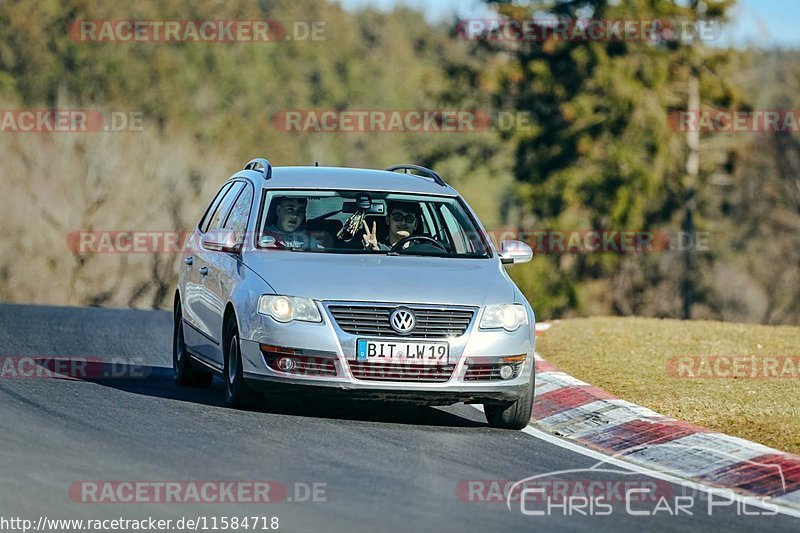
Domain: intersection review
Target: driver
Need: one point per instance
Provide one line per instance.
(289, 229)
(402, 218)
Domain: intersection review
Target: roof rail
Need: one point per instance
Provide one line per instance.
(426, 172)
(260, 165)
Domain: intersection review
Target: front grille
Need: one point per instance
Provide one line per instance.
(488, 372)
(432, 322)
(401, 372)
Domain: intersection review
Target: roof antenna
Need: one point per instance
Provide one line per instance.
(316, 163)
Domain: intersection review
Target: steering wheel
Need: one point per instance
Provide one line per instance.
(402, 242)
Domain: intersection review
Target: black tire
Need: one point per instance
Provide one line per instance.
(185, 373)
(237, 394)
(511, 415)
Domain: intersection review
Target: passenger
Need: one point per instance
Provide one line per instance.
(289, 228)
(402, 218)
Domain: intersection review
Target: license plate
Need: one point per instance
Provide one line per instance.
(426, 353)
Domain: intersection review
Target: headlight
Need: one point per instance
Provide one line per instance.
(508, 317)
(288, 308)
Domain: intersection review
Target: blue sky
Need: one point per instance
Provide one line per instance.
(767, 23)
(756, 22)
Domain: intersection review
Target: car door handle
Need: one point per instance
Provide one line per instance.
(189, 261)
(203, 271)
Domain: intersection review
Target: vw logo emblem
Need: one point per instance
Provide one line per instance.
(402, 320)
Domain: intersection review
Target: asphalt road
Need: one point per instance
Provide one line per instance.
(383, 469)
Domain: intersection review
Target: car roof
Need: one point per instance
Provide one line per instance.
(345, 178)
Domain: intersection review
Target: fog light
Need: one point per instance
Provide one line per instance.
(287, 364)
(506, 371)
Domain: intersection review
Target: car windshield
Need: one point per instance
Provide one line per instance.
(367, 222)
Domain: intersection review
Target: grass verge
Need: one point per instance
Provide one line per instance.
(647, 361)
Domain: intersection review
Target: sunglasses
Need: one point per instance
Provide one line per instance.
(399, 217)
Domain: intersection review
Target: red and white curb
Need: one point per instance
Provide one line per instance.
(574, 410)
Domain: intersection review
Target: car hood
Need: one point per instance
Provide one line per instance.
(382, 278)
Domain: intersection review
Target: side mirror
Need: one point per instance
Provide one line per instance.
(515, 252)
(222, 240)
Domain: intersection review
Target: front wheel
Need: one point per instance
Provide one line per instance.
(237, 394)
(511, 415)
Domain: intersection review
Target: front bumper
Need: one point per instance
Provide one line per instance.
(327, 340)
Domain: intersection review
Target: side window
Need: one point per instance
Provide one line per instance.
(225, 206)
(212, 208)
(427, 225)
(240, 213)
(458, 239)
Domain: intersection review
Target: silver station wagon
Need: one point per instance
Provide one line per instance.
(361, 283)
